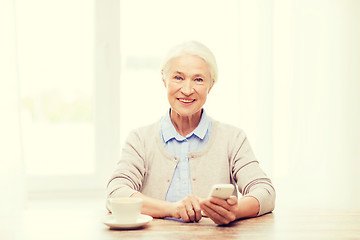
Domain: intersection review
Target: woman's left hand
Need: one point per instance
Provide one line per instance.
(219, 210)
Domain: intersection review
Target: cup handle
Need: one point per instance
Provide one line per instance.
(108, 204)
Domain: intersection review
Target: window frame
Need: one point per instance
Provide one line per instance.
(106, 108)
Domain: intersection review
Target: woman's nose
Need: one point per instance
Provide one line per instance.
(187, 87)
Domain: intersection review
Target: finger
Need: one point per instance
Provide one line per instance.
(217, 213)
(198, 214)
(184, 215)
(219, 206)
(232, 200)
(207, 209)
(204, 208)
(193, 208)
(220, 202)
(228, 204)
(210, 209)
(181, 212)
(196, 208)
(190, 211)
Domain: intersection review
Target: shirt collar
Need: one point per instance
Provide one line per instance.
(169, 132)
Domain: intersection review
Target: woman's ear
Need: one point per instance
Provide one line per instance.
(212, 84)
(163, 78)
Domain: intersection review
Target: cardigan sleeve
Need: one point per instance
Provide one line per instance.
(130, 170)
(250, 178)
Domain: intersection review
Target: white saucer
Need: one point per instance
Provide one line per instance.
(141, 221)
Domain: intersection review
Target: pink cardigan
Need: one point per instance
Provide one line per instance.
(146, 166)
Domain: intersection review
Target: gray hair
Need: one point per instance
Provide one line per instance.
(192, 48)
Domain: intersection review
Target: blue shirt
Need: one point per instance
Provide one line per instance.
(180, 147)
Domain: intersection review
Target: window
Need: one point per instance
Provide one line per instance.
(56, 62)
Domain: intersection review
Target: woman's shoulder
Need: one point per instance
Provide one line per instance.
(227, 127)
(226, 130)
(146, 131)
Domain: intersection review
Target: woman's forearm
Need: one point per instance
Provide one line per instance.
(155, 207)
(247, 207)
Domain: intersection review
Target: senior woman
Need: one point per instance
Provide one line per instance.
(173, 163)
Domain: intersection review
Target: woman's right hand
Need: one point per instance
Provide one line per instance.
(188, 209)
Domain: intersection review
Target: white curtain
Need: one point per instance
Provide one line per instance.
(11, 169)
(299, 97)
(316, 104)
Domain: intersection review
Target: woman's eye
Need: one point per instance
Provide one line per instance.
(199, 80)
(178, 78)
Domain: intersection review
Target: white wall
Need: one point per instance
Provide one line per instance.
(11, 170)
(107, 90)
(255, 87)
(316, 132)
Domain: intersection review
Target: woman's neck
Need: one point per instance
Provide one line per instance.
(185, 124)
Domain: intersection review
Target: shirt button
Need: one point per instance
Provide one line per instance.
(168, 180)
(194, 179)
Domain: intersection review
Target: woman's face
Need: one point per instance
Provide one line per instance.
(188, 82)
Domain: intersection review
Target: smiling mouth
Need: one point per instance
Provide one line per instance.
(186, 100)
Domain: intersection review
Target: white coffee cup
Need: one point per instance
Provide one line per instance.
(125, 210)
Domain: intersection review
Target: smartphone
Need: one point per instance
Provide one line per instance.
(223, 191)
